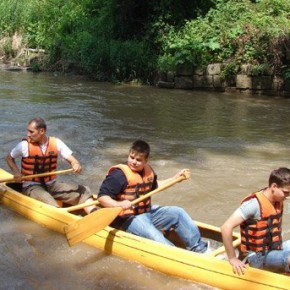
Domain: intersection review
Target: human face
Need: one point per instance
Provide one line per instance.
(281, 193)
(136, 161)
(35, 135)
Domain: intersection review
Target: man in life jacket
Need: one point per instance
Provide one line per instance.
(128, 181)
(39, 154)
(260, 219)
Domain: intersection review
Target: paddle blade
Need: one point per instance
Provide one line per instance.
(90, 224)
(98, 220)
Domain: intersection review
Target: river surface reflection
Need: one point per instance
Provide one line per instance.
(231, 142)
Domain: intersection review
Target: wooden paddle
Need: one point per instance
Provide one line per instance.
(98, 220)
(12, 179)
(80, 206)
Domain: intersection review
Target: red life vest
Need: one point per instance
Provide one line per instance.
(37, 162)
(264, 234)
(137, 186)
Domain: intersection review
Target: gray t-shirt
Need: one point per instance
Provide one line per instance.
(250, 209)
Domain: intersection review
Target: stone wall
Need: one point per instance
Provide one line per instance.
(189, 78)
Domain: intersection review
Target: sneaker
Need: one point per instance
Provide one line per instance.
(209, 249)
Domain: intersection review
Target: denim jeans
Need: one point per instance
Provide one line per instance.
(149, 225)
(275, 260)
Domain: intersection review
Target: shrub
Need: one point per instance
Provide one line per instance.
(235, 32)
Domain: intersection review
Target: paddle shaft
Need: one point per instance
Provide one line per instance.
(135, 201)
(149, 194)
(160, 188)
(80, 206)
(98, 220)
(37, 175)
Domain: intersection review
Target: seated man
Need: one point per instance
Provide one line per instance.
(260, 218)
(126, 182)
(39, 154)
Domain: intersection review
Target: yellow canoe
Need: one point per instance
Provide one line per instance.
(174, 261)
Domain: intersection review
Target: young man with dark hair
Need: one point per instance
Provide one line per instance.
(126, 182)
(260, 219)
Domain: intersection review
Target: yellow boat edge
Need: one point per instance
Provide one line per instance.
(169, 260)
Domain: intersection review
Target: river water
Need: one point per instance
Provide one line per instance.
(230, 142)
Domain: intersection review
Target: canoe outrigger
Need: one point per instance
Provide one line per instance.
(175, 261)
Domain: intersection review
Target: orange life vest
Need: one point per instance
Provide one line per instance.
(37, 162)
(137, 186)
(264, 234)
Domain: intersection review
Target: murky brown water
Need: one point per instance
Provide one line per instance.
(230, 142)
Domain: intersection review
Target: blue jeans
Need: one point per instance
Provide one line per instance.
(149, 225)
(275, 260)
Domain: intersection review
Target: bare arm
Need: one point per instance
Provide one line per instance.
(184, 172)
(107, 201)
(76, 166)
(14, 168)
(227, 229)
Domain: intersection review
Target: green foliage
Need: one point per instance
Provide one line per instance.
(286, 72)
(121, 40)
(35, 67)
(260, 69)
(235, 31)
(110, 39)
(12, 15)
(6, 47)
(118, 60)
(229, 69)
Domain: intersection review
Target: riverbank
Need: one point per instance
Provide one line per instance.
(184, 78)
(211, 79)
(8, 67)
(196, 79)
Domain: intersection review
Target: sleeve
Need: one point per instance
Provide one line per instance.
(20, 150)
(250, 209)
(63, 149)
(113, 184)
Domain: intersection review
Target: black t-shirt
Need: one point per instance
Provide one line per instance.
(114, 184)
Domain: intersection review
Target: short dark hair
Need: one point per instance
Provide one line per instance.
(141, 146)
(280, 176)
(39, 123)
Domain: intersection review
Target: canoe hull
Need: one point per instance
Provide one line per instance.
(166, 259)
